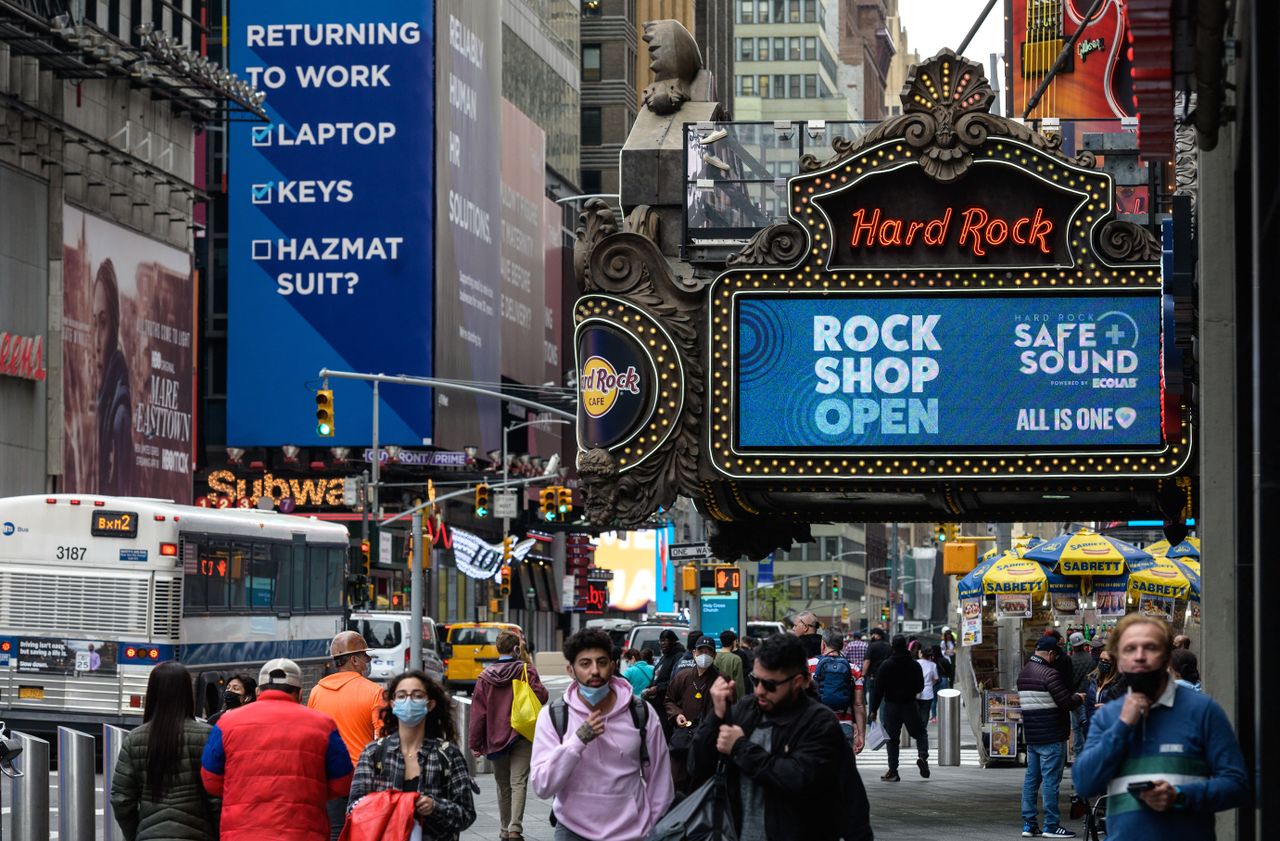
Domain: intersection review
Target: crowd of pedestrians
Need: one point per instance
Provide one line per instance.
(778, 726)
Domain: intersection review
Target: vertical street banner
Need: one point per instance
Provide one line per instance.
(331, 214)
(523, 268)
(469, 237)
(128, 383)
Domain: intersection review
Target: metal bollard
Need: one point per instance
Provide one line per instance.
(30, 792)
(75, 785)
(112, 737)
(949, 727)
(474, 765)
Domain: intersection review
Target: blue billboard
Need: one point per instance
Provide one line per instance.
(1022, 373)
(330, 250)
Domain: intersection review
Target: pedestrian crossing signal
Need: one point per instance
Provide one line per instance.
(324, 413)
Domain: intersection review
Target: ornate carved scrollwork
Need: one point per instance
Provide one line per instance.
(945, 117)
(780, 244)
(1127, 242)
(630, 266)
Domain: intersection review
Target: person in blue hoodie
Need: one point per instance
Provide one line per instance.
(1165, 755)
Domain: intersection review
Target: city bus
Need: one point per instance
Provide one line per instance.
(96, 590)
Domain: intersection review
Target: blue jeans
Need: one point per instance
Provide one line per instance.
(1044, 765)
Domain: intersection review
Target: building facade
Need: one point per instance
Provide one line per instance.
(786, 63)
(610, 42)
(866, 50)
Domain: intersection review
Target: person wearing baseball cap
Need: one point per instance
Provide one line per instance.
(354, 702)
(1046, 702)
(1082, 664)
(275, 763)
(688, 699)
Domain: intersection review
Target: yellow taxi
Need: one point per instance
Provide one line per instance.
(469, 647)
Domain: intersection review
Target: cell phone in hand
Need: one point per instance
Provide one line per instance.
(1144, 785)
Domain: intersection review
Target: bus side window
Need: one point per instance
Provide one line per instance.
(317, 574)
(284, 573)
(216, 571)
(334, 561)
(194, 596)
(237, 573)
(299, 595)
(262, 577)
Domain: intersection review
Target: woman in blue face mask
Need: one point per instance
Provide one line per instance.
(418, 754)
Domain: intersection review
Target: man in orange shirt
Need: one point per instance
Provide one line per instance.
(353, 701)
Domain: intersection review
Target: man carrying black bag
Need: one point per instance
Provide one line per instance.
(783, 751)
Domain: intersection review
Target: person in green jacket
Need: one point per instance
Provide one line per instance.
(156, 792)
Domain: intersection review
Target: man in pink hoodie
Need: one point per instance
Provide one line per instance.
(609, 780)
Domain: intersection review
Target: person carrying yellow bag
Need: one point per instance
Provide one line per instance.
(500, 716)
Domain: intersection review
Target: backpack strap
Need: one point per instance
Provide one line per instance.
(559, 716)
(640, 718)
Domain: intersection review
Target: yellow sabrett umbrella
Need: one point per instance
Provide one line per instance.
(1012, 574)
(1087, 553)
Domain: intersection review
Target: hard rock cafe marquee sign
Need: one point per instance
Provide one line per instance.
(951, 320)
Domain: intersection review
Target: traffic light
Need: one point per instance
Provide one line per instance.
(835, 587)
(324, 413)
(508, 548)
(884, 614)
(547, 504)
(482, 501)
(564, 502)
(364, 557)
(504, 584)
(940, 532)
(689, 578)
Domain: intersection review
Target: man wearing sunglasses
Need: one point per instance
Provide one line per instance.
(807, 627)
(783, 751)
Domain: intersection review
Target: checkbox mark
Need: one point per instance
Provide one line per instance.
(261, 249)
(262, 192)
(262, 135)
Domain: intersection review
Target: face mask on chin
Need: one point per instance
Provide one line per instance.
(592, 695)
(1146, 683)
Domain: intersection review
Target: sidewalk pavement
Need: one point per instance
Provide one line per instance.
(967, 803)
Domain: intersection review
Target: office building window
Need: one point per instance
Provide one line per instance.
(795, 11)
(810, 11)
(591, 8)
(793, 90)
(779, 86)
(810, 49)
(590, 62)
(747, 11)
(746, 85)
(762, 11)
(592, 183)
(811, 86)
(779, 49)
(746, 49)
(591, 127)
(762, 49)
(764, 87)
(779, 11)
(794, 52)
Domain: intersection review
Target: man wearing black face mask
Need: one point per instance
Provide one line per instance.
(1165, 755)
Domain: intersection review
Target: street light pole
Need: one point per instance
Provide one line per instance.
(506, 521)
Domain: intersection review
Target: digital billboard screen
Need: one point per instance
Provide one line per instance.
(330, 255)
(958, 373)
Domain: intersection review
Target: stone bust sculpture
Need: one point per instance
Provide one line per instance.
(677, 68)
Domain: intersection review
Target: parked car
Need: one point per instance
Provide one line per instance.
(388, 636)
(469, 647)
(619, 630)
(760, 630)
(645, 635)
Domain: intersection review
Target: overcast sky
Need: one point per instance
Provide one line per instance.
(934, 24)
